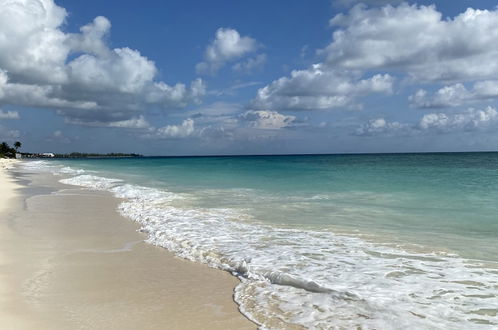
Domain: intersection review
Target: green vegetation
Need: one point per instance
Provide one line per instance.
(7, 151)
(96, 155)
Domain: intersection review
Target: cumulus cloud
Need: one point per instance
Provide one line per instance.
(448, 96)
(380, 126)
(455, 95)
(9, 114)
(178, 95)
(372, 44)
(416, 40)
(32, 47)
(319, 87)
(251, 64)
(184, 130)
(264, 119)
(441, 123)
(228, 45)
(77, 73)
(469, 120)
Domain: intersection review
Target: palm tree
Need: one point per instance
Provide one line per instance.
(17, 145)
(4, 147)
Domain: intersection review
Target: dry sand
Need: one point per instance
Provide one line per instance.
(68, 260)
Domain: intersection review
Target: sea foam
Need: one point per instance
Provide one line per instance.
(316, 279)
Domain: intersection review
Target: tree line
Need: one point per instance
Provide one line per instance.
(6, 151)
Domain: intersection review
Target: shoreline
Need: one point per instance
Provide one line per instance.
(9, 201)
(70, 260)
(8, 186)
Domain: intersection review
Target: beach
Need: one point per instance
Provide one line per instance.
(68, 260)
(290, 242)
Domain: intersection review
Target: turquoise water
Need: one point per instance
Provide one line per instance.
(418, 197)
(409, 240)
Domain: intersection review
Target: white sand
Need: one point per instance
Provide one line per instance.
(7, 186)
(9, 200)
(68, 260)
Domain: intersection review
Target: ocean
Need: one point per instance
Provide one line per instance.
(376, 241)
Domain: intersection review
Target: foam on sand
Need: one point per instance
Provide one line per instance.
(74, 263)
(316, 279)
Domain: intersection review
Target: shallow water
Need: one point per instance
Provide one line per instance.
(375, 241)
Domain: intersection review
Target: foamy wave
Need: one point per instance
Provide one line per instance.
(70, 170)
(92, 181)
(48, 166)
(314, 279)
(35, 165)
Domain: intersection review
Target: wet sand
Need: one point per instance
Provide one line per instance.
(68, 260)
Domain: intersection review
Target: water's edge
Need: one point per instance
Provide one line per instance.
(316, 279)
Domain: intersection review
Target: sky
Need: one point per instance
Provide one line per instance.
(249, 77)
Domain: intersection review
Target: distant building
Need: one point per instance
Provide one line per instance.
(48, 154)
(18, 155)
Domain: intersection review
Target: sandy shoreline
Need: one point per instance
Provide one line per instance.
(68, 260)
(7, 186)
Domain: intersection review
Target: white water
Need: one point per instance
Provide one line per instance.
(316, 279)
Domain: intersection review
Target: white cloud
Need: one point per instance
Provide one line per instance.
(380, 126)
(184, 130)
(409, 41)
(417, 40)
(178, 95)
(32, 47)
(455, 95)
(138, 122)
(264, 119)
(448, 96)
(91, 39)
(227, 46)
(77, 73)
(251, 64)
(486, 89)
(440, 123)
(319, 87)
(37, 96)
(9, 114)
(469, 120)
(122, 70)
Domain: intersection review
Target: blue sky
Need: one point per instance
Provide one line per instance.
(254, 77)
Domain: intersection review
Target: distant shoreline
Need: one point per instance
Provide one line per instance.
(289, 155)
(79, 155)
